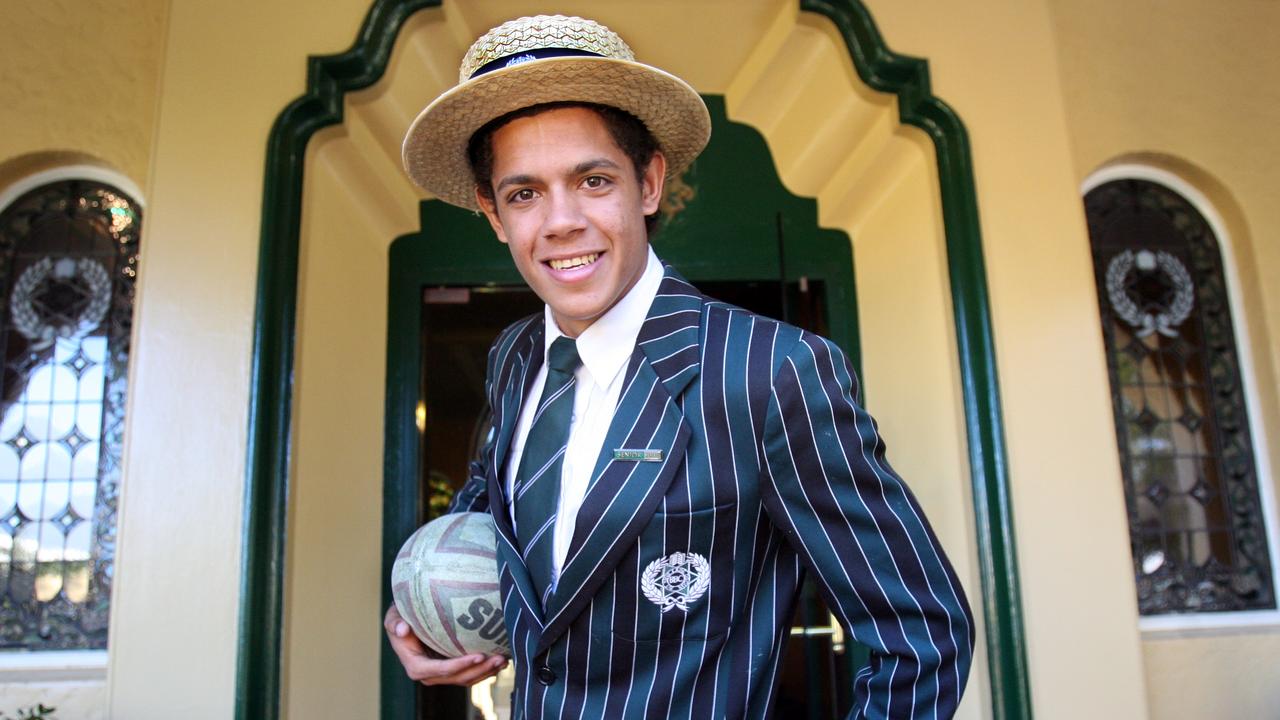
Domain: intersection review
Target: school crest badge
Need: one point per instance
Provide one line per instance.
(676, 581)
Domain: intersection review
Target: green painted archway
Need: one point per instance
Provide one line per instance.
(330, 78)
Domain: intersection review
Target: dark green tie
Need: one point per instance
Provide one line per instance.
(537, 486)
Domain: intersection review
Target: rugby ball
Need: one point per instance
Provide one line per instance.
(445, 585)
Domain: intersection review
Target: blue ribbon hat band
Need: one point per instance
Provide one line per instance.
(507, 61)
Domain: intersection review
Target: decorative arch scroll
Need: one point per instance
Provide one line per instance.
(330, 78)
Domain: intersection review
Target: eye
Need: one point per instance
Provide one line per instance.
(595, 182)
(521, 195)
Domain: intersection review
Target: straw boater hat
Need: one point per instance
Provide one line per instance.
(548, 58)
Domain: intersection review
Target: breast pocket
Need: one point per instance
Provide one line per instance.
(677, 580)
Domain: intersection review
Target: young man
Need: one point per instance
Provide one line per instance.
(665, 468)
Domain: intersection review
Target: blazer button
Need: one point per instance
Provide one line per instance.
(546, 675)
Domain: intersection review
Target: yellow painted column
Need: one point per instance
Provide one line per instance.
(229, 68)
(994, 63)
(1208, 118)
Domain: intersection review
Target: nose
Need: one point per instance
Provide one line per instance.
(564, 218)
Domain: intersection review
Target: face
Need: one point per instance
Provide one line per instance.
(569, 207)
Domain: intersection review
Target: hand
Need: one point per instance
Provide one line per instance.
(428, 668)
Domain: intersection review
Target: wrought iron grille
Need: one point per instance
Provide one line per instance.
(1195, 517)
(68, 260)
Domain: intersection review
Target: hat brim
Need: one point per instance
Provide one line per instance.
(435, 148)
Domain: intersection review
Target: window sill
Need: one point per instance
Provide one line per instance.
(53, 666)
(1209, 624)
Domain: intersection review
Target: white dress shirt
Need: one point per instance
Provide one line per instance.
(604, 347)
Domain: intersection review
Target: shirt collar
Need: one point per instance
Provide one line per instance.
(605, 346)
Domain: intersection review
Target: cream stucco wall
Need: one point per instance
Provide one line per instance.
(1208, 116)
(333, 625)
(79, 85)
(994, 63)
(78, 699)
(79, 81)
(229, 68)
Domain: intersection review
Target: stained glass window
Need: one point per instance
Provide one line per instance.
(1195, 517)
(68, 259)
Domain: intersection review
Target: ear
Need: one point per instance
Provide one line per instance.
(491, 214)
(651, 183)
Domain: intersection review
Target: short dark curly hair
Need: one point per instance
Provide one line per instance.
(628, 133)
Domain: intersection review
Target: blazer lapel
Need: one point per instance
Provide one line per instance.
(624, 493)
(515, 373)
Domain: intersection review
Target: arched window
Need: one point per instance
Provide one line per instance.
(68, 260)
(1196, 519)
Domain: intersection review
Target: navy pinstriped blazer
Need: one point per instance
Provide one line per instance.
(769, 468)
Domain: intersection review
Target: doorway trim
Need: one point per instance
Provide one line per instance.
(330, 77)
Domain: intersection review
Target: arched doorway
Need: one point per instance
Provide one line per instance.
(840, 114)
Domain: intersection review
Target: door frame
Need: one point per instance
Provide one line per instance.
(330, 77)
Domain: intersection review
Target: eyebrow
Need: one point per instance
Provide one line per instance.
(581, 168)
(514, 180)
(589, 165)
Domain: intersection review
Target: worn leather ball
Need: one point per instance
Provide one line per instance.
(445, 584)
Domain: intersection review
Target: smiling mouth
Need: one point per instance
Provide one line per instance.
(574, 262)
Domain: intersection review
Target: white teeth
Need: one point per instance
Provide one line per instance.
(573, 262)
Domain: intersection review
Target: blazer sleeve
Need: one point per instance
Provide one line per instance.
(473, 496)
(862, 534)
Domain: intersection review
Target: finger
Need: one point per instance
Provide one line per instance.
(392, 620)
(472, 675)
(469, 674)
(439, 671)
(402, 639)
(441, 668)
(407, 642)
(494, 665)
(417, 664)
(413, 655)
